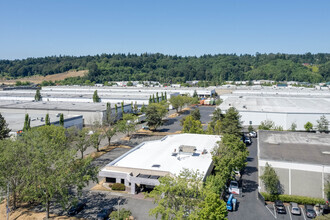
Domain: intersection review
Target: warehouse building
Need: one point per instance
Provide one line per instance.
(142, 166)
(283, 110)
(90, 112)
(300, 159)
(15, 121)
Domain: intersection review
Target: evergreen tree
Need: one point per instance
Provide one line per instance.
(143, 109)
(96, 97)
(132, 107)
(62, 120)
(157, 97)
(323, 124)
(270, 180)
(4, 130)
(47, 120)
(37, 96)
(26, 123)
(122, 109)
(108, 115)
(150, 100)
(116, 111)
(153, 98)
(165, 96)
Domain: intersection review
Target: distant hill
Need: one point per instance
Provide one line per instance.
(37, 79)
(175, 69)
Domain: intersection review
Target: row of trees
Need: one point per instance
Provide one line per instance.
(41, 166)
(176, 69)
(322, 125)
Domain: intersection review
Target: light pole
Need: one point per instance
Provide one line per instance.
(118, 208)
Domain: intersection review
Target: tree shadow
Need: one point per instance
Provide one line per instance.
(250, 170)
(169, 121)
(249, 186)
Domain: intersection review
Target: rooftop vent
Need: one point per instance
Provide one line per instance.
(156, 165)
(187, 149)
(326, 152)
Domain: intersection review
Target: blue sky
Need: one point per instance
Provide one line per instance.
(38, 28)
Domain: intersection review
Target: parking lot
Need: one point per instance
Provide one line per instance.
(288, 215)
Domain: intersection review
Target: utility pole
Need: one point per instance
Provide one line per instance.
(7, 208)
(118, 208)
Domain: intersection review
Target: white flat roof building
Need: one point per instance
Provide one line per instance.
(148, 161)
(282, 107)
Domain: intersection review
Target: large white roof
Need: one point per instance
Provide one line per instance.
(149, 154)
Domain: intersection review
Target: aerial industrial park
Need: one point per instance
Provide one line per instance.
(171, 110)
(299, 156)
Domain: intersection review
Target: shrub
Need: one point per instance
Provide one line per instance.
(118, 186)
(293, 198)
(123, 214)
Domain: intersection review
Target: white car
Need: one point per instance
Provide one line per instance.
(233, 187)
(253, 134)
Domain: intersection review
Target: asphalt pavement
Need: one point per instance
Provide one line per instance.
(249, 207)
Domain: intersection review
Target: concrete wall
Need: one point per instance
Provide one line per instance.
(281, 119)
(299, 182)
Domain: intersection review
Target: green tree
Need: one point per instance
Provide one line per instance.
(122, 215)
(153, 98)
(157, 97)
(4, 130)
(323, 124)
(143, 108)
(270, 180)
(116, 112)
(110, 131)
(122, 109)
(196, 114)
(82, 141)
(250, 128)
(195, 94)
(217, 115)
(177, 196)
(212, 207)
(229, 155)
(96, 139)
(266, 125)
(308, 126)
(55, 165)
(162, 97)
(154, 115)
(96, 97)
(231, 123)
(128, 124)
(150, 100)
(12, 170)
(37, 96)
(27, 123)
(129, 83)
(293, 126)
(109, 120)
(327, 189)
(62, 120)
(47, 120)
(135, 108)
(192, 126)
(177, 102)
(165, 96)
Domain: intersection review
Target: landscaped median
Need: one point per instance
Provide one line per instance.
(293, 198)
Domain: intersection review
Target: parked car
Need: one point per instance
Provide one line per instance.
(75, 209)
(279, 207)
(233, 187)
(253, 134)
(294, 208)
(310, 213)
(247, 140)
(104, 213)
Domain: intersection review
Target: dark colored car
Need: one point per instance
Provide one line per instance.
(104, 214)
(279, 207)
(310, 213)
(75, 209)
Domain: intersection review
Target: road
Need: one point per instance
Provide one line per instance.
(249, 207)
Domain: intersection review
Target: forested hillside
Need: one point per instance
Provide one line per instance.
(165, 68)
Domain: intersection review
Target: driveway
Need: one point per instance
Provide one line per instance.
(249, 207)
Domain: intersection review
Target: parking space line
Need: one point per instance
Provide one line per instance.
(303, 213)
(289, 212)
(271, 212)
